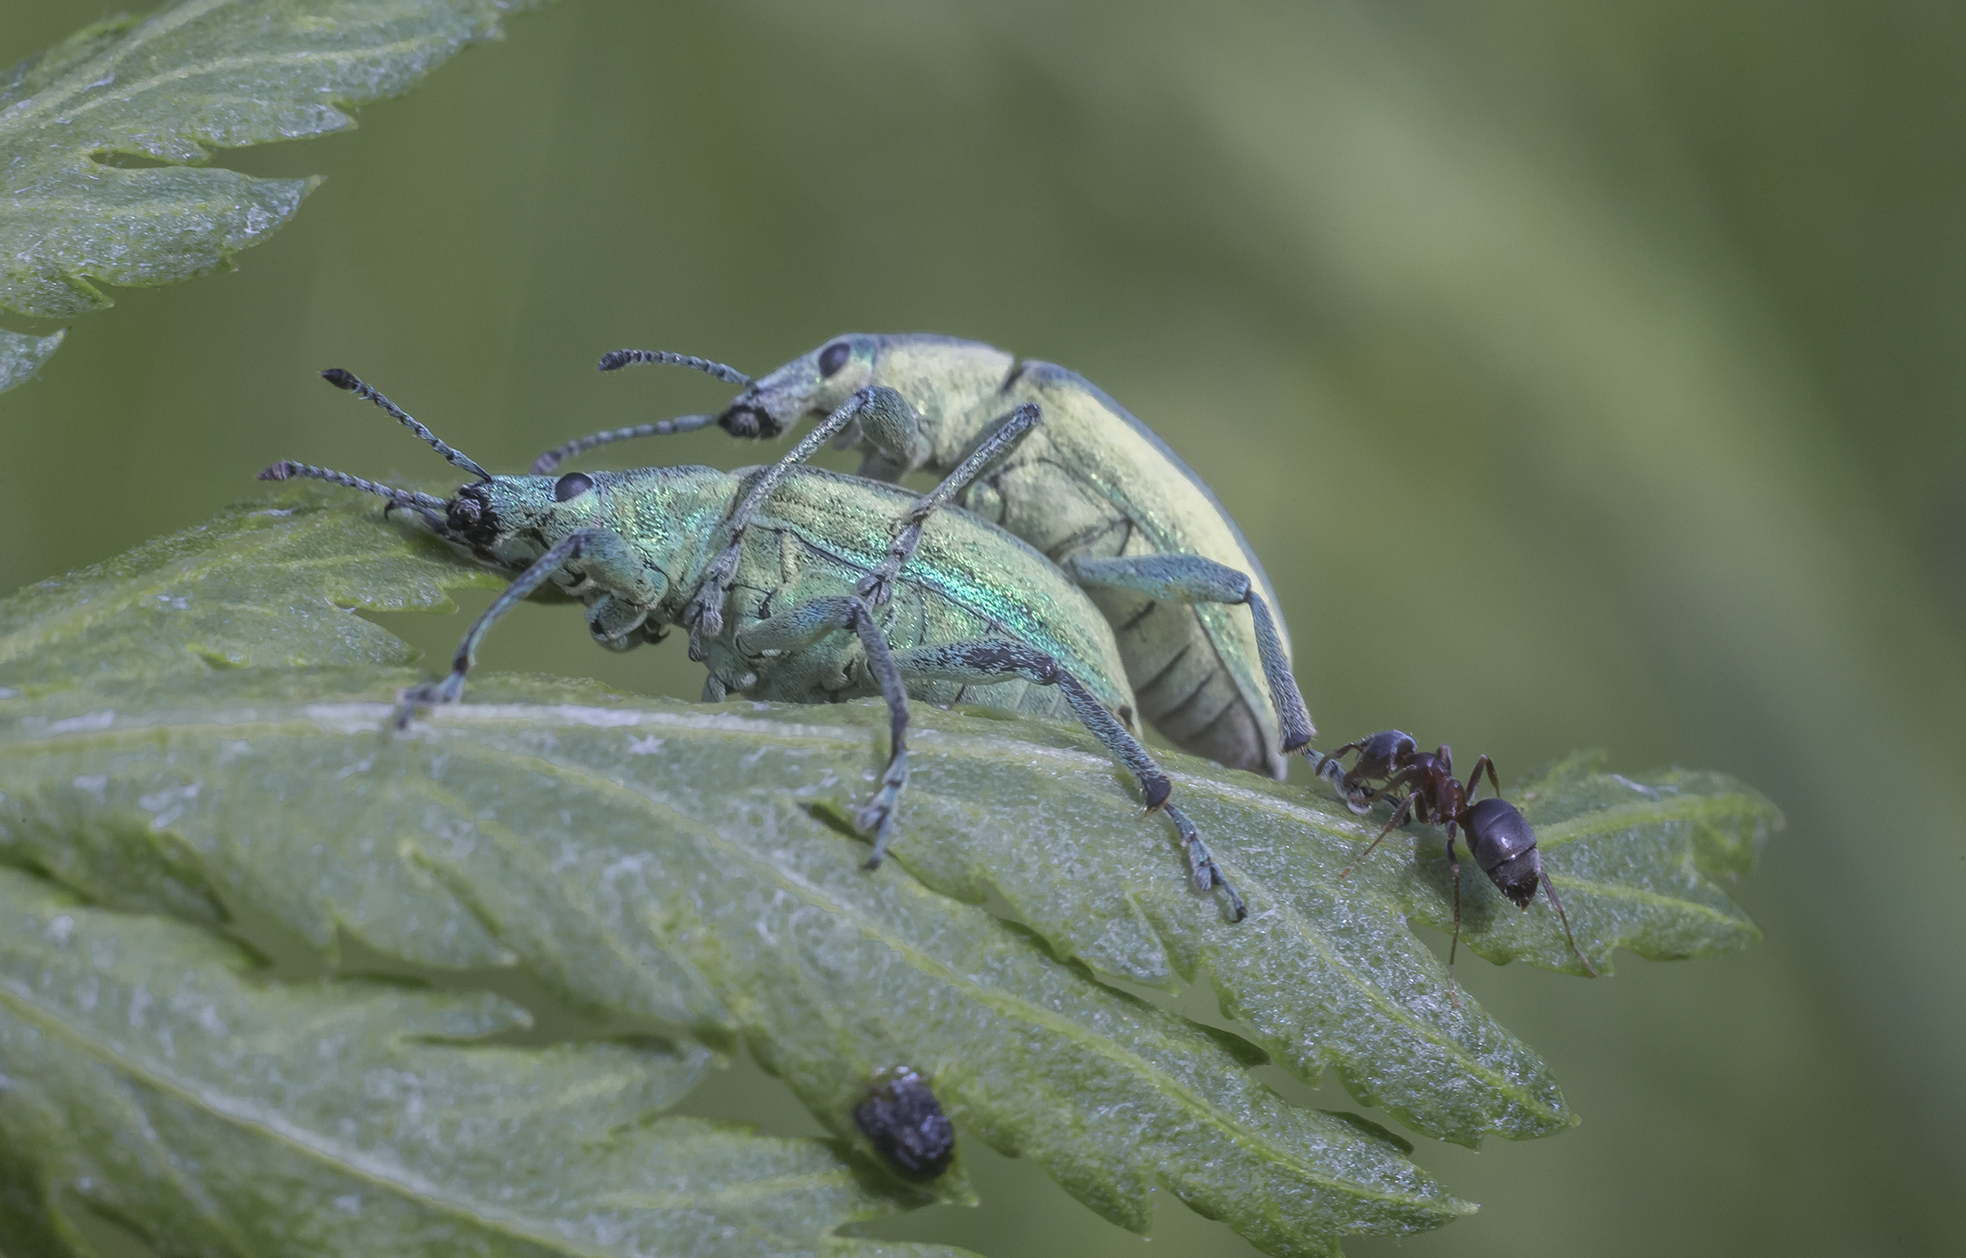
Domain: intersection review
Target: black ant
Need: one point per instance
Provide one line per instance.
(1499, 836)
(1379, 757)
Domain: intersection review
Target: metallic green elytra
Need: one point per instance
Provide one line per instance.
(1093, 489)
(815, 599)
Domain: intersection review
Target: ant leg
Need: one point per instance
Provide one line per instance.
(1474, 779)
(1327, 765)
(1550, 890)
(1454, 864)
(813, 620)
(878, 586)
(1399, 814)
(1193, 579)
(983, 661)
(1355, 795)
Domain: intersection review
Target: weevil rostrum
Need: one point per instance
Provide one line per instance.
(819, 605)
(1094, 490)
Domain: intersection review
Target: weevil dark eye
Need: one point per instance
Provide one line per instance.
(572, 485)
(834, 357)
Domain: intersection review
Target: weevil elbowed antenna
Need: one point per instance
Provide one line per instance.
(614, 361)
(343, 379)
(617, 359)
(429, 506)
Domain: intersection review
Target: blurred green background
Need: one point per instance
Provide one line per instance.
(1586, 375)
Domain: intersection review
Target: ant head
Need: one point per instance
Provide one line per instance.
(1391, 748)
(817, 383)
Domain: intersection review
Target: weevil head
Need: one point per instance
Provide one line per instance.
(508, 521)
(817, 383)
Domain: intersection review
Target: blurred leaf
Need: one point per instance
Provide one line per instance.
(22, 356)
(145, 1070)
(97, 132)
(685, 864)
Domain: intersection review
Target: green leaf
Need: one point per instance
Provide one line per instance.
(22, 356)
(685, 864)
(567, 839)
(264, 584)
(167, 90)
(144, 1069)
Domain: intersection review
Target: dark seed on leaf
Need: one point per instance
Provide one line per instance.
(907, 1126)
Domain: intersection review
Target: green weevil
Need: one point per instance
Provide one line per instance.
(1094, 490)
(825, 599)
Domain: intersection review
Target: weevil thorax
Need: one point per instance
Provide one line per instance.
(1505, 848)
(956, 386)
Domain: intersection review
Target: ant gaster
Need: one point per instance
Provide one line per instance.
(1499, 836)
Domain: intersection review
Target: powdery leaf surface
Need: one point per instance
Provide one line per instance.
(144, 1069)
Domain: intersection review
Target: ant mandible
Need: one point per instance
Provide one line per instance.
(1499, 836)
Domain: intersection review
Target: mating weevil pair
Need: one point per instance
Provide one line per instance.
(1499, 836)
(797, 587)
(1094, 490)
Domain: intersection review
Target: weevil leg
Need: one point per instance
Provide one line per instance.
(704, 617)
(813, 620)
(451, 688)
(1203, 872)
(1195, 579)
(983, 661)
(1550, 890)
(1003, 433)
(1474, 779)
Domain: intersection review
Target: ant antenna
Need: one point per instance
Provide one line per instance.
(1565, 919)
(623, 357)
(1399, 815)
(348, 380)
